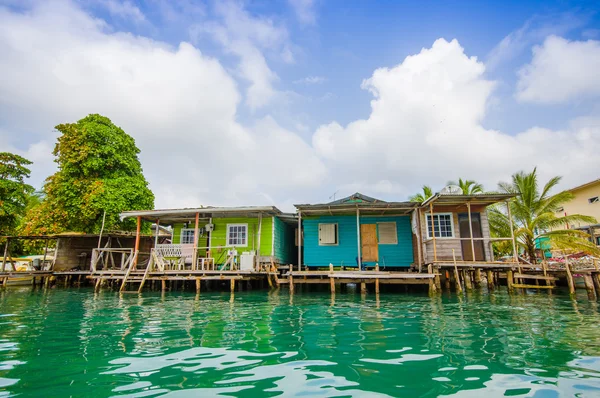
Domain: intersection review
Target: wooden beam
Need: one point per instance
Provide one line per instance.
(357, 238)
(512, 236)
(5, 254)
(433, 232)
(471, 230)
(419, 238)
(195, 253)
(137, 241)
(299, 244)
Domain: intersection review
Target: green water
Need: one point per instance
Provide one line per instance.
(77, 343)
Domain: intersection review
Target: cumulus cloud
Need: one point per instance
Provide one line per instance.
(560, 71)
(59, 64)
(426, 126)
(305, 11)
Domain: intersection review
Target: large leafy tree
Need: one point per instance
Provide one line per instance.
(469, 187)
(422, 196)
(14, 192)
(534, 216)
(98, 170)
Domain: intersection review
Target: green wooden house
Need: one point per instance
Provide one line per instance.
(262, 231)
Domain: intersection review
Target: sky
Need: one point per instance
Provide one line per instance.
(303, 101)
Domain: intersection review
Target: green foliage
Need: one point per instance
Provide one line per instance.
(469, 187)
(14, 193)
(534, 215)
(422, 196)
(99, 171)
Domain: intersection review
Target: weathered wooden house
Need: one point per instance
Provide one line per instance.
(357, 231)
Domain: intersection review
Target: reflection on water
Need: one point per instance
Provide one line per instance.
(79, 343)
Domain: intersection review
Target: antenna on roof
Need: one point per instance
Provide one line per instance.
(332, 197)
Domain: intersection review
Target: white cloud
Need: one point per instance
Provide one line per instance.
(305, 11)
(311, 80)
(533, 31)
(560, 71)
(425, 126)
(124, 9)
(59, 64)
(248, 37)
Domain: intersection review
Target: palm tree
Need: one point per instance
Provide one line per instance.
(469, 187)
(534, 216)
(422, 196)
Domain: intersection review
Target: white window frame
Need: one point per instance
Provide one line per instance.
(395, 234)
(229, 226)
(429, 224)
(337, 234)
(181, 242)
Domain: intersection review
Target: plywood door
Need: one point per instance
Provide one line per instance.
(368, 238)
(467, 250)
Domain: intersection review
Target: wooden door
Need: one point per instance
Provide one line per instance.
(467, 250)
(368, 239)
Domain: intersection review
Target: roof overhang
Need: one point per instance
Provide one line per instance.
(171, 216)
(485, 199)
(365, 208)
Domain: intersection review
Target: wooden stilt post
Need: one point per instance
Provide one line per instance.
(509, 280)
(331, 279)
(198, 285)
(137, 241)
(376, 285)
(363, 287)
(45, 254)
(232, 285)
(163, 285)
(570, 280)
(490, 279)
(456, 274)
(432, 285)
(433, 232)
(467, 278)
(447, 281)
(5, 254)
(291, 283)
(589, 285)
(478, 277)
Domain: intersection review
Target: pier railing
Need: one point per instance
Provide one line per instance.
(109, 258)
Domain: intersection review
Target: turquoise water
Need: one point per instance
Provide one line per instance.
(69, 342)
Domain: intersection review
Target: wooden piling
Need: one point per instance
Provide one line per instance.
(589, 285)
(291, 280)
(478, 277)
(332, 285)
(456, 274)
(509, 280)
(363, 288)
(570, 280)
(377, 286)
(467, 279)
(232, 285)
(163, 285)
(198, 283)
(490, 279)
(596, 279)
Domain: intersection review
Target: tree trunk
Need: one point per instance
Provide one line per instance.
(531, 251)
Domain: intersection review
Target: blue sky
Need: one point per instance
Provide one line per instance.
(276, 102)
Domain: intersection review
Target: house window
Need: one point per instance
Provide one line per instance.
(560, 209)
(237, 234)
(387, 233)
(593, 200)
(328, 234)
(442, 223)
(187, 236)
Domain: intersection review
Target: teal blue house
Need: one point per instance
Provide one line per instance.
(357, 231)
